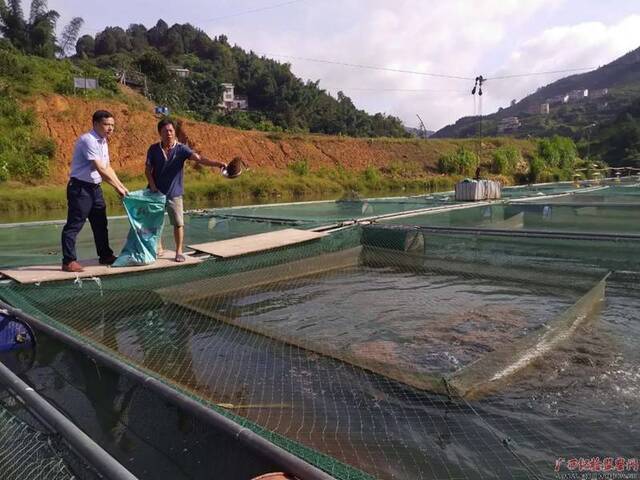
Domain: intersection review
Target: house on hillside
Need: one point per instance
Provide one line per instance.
(180, 72)
(580, 94)
(555, 100)
(509, 124)
(230, 101)
(599, 93)
(538, 109)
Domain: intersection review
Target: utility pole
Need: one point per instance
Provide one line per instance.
(423, 129)
(477, 89)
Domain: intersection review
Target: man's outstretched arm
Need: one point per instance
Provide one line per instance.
(205, 161)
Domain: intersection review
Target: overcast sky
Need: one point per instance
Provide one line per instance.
(455, 37)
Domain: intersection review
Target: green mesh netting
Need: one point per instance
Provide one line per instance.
(613, 210)
(345, 350)
(34, 244)
(297, 344)
(339, 211)
(27, 452)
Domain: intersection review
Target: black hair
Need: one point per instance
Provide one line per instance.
(100, 115)
(164, 122)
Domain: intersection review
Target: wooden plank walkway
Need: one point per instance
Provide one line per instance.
(261, 242)
(52, 273)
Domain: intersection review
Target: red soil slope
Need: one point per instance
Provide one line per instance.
(65, 118)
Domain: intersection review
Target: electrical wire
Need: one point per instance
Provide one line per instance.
(368, 67)
(531, 74)
(230, 15)
(409, 90)
(254, 10)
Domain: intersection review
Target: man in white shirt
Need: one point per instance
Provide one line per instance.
(90, 165)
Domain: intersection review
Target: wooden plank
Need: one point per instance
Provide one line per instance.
(53, 273)
(257, 243)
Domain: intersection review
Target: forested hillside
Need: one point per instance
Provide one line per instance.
(278, 100)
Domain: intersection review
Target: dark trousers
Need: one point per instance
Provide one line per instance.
(84, 201)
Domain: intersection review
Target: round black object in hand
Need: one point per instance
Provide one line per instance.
(234, 168)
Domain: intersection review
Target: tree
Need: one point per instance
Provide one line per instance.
(112, 40)
(174, 44)
(85, 46)
(189, 35)
(137, 34)
(202, 44)
(13, 25)
(152, 64)
(69, 35)
(156, 36)
(204, 94)
(106, 43)
(35, 36)
(41, 28)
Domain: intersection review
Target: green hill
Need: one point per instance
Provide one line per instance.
(617, 142)
(586, 120)
(277, 99)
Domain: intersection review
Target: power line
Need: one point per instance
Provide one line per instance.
(427, 74)
(531, 74)
(368, 67)
(408, 90)
(254, 10)
(231, 15)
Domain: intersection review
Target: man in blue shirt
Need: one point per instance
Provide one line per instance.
(89, 166)
(165, 173)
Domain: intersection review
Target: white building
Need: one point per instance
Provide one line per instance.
(538, 109)
(599, 93)
(508, 124)
(181, 72)
(230, 101)
(578, 94)
(558, 99)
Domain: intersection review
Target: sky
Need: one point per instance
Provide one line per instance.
(422, 38)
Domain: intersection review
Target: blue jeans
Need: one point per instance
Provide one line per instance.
(84, 201)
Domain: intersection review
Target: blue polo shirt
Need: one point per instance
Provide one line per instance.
(168, 170)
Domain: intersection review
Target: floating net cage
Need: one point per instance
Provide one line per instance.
(434, 345)
(30, 449)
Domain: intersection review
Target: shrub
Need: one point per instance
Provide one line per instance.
(505, 160)
(25, 153)
(558, 152)
(537, 170)
(44, 146)
(4, 170)
(463, 162)
(299, 167)
(447, 163)
(372, 177)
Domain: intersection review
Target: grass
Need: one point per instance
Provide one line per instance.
(206, 188)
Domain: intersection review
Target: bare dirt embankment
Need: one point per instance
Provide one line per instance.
(65, 118)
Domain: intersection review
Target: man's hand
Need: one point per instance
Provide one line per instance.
(122, 191)
(153, 188)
